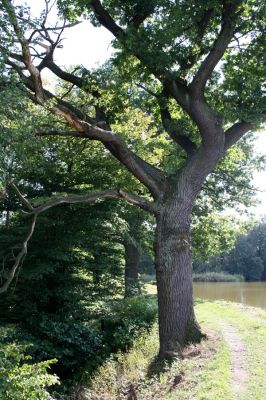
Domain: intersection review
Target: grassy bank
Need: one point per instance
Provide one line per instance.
(208, 371)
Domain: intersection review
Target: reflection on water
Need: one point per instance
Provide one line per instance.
(250, 293)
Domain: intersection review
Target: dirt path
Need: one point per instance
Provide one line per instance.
(238, 358)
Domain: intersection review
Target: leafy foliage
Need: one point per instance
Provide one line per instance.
(71, 342)
(20, 379)
(125, 319)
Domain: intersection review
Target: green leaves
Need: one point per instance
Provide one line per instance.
(213, 234)
(70, 341)
(20, 379)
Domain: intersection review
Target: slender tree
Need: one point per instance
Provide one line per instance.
(202, 66)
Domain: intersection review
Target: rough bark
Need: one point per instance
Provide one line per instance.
(132, 258)
(173, 263)
(173, 253)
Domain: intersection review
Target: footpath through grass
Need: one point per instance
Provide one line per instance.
(208, 371)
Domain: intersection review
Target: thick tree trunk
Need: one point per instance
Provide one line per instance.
(173, 262)
(132, 258)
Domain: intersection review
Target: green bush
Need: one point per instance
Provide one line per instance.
(81, 346)
(70, 342)
(21, 380)
(123, 320)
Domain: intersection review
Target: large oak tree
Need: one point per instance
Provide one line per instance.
(201, 63)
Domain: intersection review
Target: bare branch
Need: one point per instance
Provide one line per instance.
(113, 193)
(51, 29)
(59, 72)
(22, 198)
(238, 130)
(138, 201)
(26, 55)
(75, 199)
(149, 175)
(20, 256)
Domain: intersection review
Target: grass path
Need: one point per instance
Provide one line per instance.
(244, 332)
(230, 365)
(239, 373)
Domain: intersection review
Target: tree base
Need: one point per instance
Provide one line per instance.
(193, 335)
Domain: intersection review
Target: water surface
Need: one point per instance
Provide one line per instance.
(250, 293)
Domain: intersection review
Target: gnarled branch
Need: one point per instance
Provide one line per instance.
(113, 193)
(149, 175)
(85, 126)
(75, 199)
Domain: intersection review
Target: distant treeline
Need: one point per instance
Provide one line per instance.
(248, 257)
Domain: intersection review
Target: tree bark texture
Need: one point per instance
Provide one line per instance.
(132, 258)
(173, 263)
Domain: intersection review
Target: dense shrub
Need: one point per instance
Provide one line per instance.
(123, 320)
(70, 342)
(80, 346)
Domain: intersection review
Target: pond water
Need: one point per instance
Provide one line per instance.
(250, 293)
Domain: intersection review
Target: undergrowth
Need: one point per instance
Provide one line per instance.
(202, 373)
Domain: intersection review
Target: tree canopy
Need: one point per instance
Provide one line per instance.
(189, 68)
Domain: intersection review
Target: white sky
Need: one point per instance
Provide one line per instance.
(87, 45)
